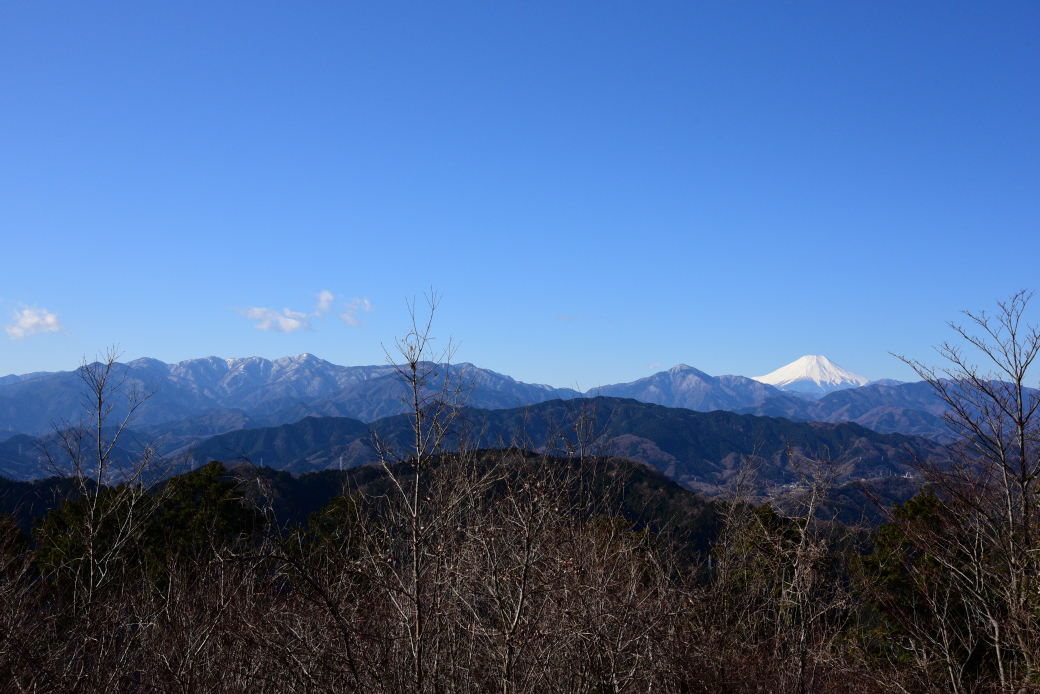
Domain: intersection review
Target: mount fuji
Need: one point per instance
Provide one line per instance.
(814, 375)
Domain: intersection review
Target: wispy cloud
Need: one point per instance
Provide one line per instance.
(289, 321)
(32, 321)
(285, 322)
(655, 365)
(353, 308)
(568, 319)
(325, 299)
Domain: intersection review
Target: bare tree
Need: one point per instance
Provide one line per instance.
(429, 481)
(108, 474)
(21, 628)
(812, 604)
(986, 539)
(776, 597)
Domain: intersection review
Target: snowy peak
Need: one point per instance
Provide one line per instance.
(813, 374)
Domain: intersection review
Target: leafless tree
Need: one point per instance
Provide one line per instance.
(776, 599)
(108, 472)
(429, 482)
(985, 538)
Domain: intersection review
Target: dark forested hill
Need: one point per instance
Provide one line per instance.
(700, 450)
(647, 497)
(28, 500)
(313, 443)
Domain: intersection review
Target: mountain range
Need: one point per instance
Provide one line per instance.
(906, 408)
(216, 395)
(699, 450)
(205, 397)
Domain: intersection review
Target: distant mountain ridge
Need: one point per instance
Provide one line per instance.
(260, 391)
(685, 386)
(198, 398)
(907, 408)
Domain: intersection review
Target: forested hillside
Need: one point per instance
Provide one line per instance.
(700, 450)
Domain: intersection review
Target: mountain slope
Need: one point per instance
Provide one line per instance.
(310, 444)
(852, 403)
(884, 406)
(698, 450)
(20, 459)
(910, 408)
(648, 499)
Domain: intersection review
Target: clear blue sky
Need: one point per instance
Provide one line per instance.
(599, 190)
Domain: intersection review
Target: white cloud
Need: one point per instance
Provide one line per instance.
(352, 308)
(289, 321)
(325, 298)
(285, 322)
(32, 321)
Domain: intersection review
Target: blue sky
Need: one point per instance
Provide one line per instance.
(599, 190)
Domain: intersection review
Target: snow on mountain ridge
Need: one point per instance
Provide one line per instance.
(813, 374)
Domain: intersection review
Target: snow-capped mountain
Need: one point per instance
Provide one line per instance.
(223, 391)
(813, 374)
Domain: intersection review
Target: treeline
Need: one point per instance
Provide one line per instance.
(457, 568)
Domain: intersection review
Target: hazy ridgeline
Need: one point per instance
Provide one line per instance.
(523, 568)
